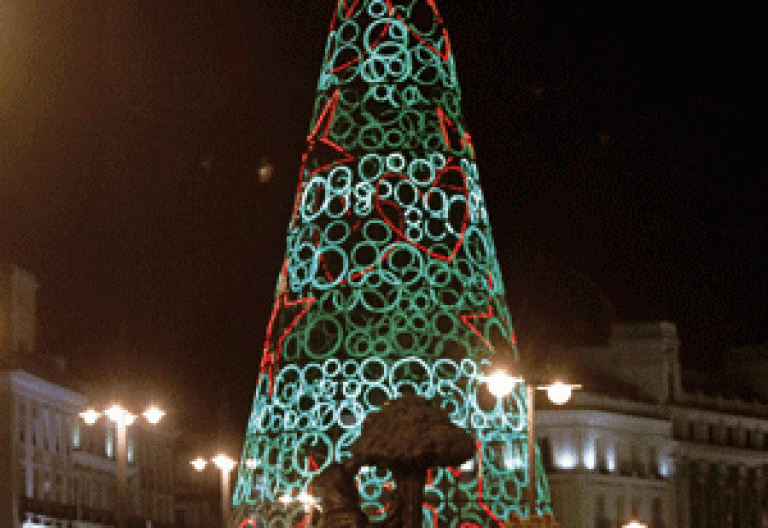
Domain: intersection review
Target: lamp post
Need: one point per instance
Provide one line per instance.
(501, 384)
(122, 420)
(225, 465)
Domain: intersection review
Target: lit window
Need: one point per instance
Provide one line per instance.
(109, 443)
(76, 435)
(590, 455)
(566, 458)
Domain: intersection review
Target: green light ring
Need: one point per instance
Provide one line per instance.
(395, 162)
(373, 70)
(319, 280)
(327, 237)
(415, 262)
(323, 416)
(421, 164)
(438, 274)
(339, 180)
(381, 93)
(355, 409)
(351, 368)
(366, 171)
(413, 216)
(331, 368)
(331, 342)
(357, 344)
(435, 213)
(474, 239)
(351, 388)
(420, 301)
(442, 298)
(418, 323)
(365, 365)
(370, 137)
(307, 206)
(378, 8)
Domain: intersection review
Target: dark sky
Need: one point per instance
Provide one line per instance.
(617, 146)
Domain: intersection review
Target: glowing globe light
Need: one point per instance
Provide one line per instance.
(90, 416)
(115, 413)
(501, 384)
(223, 462)
(559, 392)
(199, 464)
(154, 414)
(128, 418)
(635, 524)
(252, 463)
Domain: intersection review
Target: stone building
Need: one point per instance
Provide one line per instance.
(640, 442)
(54, 470)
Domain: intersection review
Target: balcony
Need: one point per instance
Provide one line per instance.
(99, 462)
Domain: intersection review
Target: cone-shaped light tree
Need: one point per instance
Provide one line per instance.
(390, 283)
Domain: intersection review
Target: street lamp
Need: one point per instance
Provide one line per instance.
(500, 384)
(225, 465)
(122, 420)
(635, 524)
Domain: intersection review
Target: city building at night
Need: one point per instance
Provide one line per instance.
(54, 469)
(640, 442)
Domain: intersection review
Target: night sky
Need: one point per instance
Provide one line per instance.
(618, 148)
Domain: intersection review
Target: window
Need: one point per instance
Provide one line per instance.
(679, 428)
(711, 434)
(58, 438)
(730, 436)
(35, 425)
(109, 443)
(657, 513)
(620, 513)
(638, 468)
(76, 435)
(653, 462)
(692, 431)
(545, 448)
(21, 481)
(46, 429)
(601, 520)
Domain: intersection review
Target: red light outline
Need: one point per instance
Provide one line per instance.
(444, 56)
(444, 123)
(270, 359)
(482, 315)
(347, 15)
(399, 230)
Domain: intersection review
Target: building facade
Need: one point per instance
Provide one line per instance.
(639, 443)
(54, 469)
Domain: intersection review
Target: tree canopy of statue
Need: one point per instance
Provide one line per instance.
(407, 436)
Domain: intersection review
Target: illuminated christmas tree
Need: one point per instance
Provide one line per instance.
(390, 283)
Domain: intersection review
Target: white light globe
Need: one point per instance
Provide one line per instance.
(559, 392)
(90, 416)
(501, 384)
(154, 414)
(224, 463)
(199, 464)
